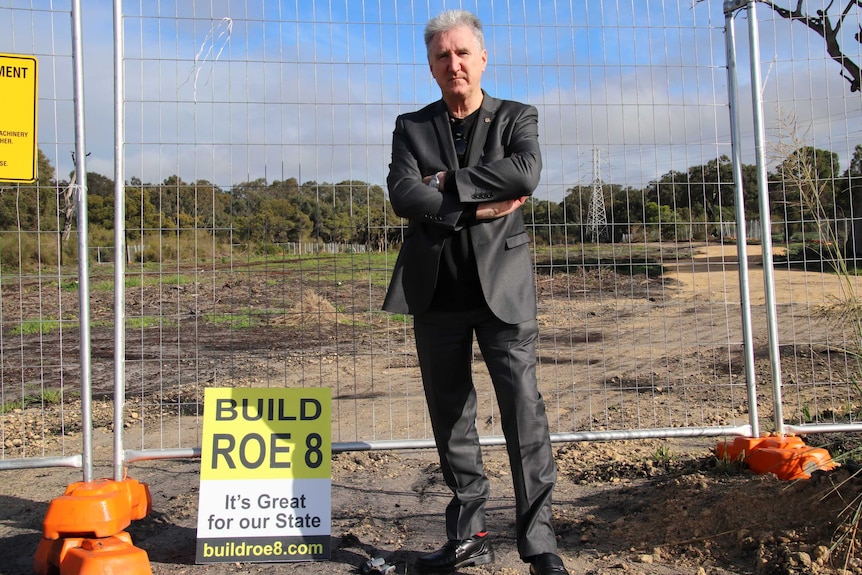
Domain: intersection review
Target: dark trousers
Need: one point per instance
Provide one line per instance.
(444, 342)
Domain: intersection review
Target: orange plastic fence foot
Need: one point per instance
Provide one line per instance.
(51, 552)
(96, 509)
(790, 463)
(105, 556)
(785, 457)
(140, 500)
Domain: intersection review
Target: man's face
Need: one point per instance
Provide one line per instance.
(457, 62)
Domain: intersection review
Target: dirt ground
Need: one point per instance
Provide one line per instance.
(618, 510)
(646, 507)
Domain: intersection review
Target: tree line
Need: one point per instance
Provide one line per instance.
(805, 187)
(807, 184)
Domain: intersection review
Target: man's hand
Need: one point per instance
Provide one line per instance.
(440, 177)
(493, 210)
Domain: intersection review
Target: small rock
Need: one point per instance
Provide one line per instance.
(821, 554)
(804, 559)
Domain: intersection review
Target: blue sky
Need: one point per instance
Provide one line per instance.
(233, 90)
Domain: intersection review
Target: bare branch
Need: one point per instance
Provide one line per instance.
(822, 25)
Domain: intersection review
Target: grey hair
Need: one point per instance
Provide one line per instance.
(453, 19)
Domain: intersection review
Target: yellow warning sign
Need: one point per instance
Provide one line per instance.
(18, 156)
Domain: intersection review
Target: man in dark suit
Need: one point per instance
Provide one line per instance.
(461, 169)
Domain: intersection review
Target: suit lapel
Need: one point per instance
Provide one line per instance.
(486, 116)
(444, 136)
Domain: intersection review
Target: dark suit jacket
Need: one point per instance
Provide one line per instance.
(504, 162)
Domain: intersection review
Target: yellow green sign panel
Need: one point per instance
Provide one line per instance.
(18, 118)
(266, 462)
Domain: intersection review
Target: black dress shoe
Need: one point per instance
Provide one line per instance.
(547, 564)
(456, 554)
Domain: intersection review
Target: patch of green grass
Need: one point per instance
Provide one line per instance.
(234, 320)
(138, 279)
(725, 465)
(46, 397)
(177, 279)
(37, 327)
(132, 281)
(9, 406)
(662, 454)
(138, 322)
(51, 396)
(142, 322)
(373, 267)
(66, 284)
(609, 253)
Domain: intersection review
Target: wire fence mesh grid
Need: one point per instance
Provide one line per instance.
(260, 238)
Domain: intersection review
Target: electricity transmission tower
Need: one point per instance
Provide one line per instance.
(597, 219)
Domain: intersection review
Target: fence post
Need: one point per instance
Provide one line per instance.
(119, 244)
(83, 247)
(765, 218)
(741, 234)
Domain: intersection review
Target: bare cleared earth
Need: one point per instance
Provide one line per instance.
(646, 507)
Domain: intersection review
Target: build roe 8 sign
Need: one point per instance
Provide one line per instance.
(265, 489)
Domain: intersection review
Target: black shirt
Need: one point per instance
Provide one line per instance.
(458, 287)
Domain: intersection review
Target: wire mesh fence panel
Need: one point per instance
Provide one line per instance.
(254, 126)
(811, 110)
(40, 399)
(261, 240)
